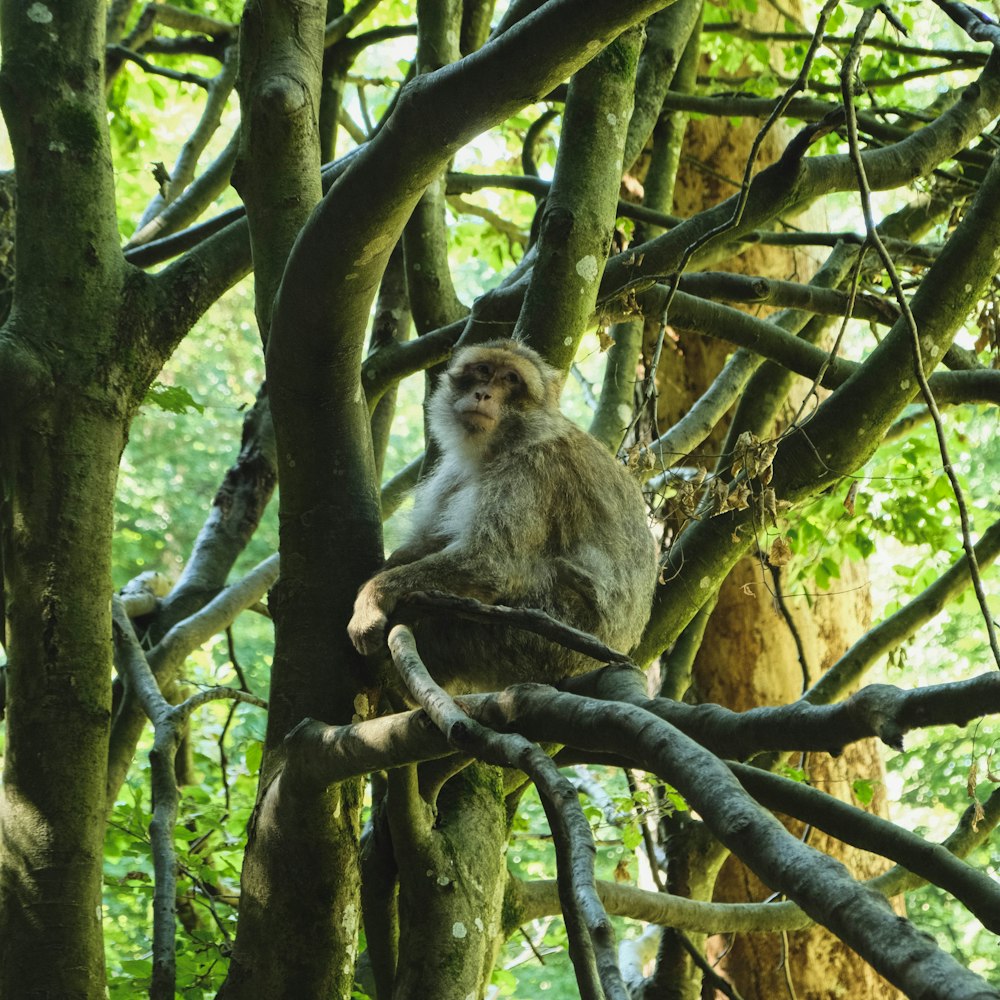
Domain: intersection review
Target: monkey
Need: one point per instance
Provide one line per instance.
(523, 509)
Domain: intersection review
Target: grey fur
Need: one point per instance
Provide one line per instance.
(524, 509)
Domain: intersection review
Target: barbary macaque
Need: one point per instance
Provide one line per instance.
(523, 509)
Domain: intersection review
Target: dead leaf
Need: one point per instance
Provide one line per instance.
(849, 499)
(781, 552)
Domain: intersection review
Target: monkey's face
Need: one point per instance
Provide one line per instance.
(482, 391)
(489, 391)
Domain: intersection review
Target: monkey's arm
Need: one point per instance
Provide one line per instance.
(452, 570)
(413, 551)
(496, 553)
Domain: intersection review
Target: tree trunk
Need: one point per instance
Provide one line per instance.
(64, 403)
(59, 458)
(749, 655)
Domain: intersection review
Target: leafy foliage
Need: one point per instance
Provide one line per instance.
(898, 513)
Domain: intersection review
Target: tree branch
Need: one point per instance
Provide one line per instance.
(933, 862)
(591, 937)
(897, 628)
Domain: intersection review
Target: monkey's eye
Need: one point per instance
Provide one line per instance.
(483, 370)
(513, 378)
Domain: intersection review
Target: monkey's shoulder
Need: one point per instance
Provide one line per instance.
(578, 457)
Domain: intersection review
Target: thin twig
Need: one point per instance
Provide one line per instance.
(170, 74)
(722, 985)
(834, 352)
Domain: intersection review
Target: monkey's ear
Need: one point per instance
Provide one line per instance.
(553, 388)
(552, 379)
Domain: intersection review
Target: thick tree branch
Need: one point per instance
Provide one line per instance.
(168, 654)
(539, 898)
(433, 300)
(215, 616)
(787, 183)
(667, 36)
(436, 114)
(933, 862)
(578, 217)
(590, 933)
(879, 710)
(818, 884)
(749, 288)
(847, 427)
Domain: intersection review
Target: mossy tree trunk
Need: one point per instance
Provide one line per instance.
(85, 336)
(314, 308)
(64, 401)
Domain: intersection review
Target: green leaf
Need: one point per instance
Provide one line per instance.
(136, 967)
(254, 754)
(864, 790)
(172, 398)
(631, 836)
(505, 981)
(676, 800)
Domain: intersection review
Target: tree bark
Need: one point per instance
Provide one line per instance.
(64, 402)
(749, 633)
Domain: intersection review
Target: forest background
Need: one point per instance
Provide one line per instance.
(869, 546)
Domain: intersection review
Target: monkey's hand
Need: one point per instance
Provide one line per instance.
(367, 627)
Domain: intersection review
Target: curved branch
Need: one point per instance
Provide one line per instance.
(536, 710)
(820, 885)
(879, 710)
(591, 937)
(933, 862)
(539, 898)
(794, 182)
(756, 289)
(168, 727)
(846, 428)
(215, 616)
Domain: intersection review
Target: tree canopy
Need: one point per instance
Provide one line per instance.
(236, 245)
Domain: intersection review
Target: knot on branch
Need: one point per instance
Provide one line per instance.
(557, 223)
(878, 706)
(283, 95)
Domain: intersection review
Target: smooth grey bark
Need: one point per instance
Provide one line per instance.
(578, 217)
